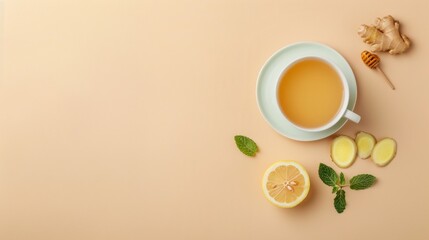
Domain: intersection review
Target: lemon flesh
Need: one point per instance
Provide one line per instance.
(286, 184)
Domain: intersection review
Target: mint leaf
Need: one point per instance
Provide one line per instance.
(328, 175)
(335, 189)
(340, 201)
(342, 179)
(362, 181)
(246, 145)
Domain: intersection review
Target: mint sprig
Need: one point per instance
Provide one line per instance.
(246, 145)
(331, 178)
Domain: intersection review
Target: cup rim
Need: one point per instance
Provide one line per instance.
(346, 94)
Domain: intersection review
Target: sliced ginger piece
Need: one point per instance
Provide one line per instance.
(384, 152)
(343, 151)
(365, 143)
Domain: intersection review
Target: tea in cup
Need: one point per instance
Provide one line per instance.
(313, 94)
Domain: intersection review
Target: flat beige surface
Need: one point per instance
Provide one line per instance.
(117, 121)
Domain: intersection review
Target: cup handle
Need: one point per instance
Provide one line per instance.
(352, 116)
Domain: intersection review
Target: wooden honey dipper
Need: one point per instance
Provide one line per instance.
(372, 61)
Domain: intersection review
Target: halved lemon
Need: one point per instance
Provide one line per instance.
(286, 184)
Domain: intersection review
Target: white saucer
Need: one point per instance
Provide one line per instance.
(267, 85)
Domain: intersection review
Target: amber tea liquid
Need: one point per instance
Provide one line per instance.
(310, 93)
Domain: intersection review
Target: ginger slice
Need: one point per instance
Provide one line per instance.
(365, 143)
(343, 151)
(384, 152)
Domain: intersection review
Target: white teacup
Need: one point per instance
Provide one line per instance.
(315, 75)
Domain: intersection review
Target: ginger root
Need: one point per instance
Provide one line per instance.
(365, 143)
(385, 36)
(384, 151)
(343, 151)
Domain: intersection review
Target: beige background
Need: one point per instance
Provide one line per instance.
(117, 121)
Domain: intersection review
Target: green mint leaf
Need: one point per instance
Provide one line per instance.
(340, 201)
(362, 181)
(335, 189)
(342, 179)
(246, 145)
(328, 175)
